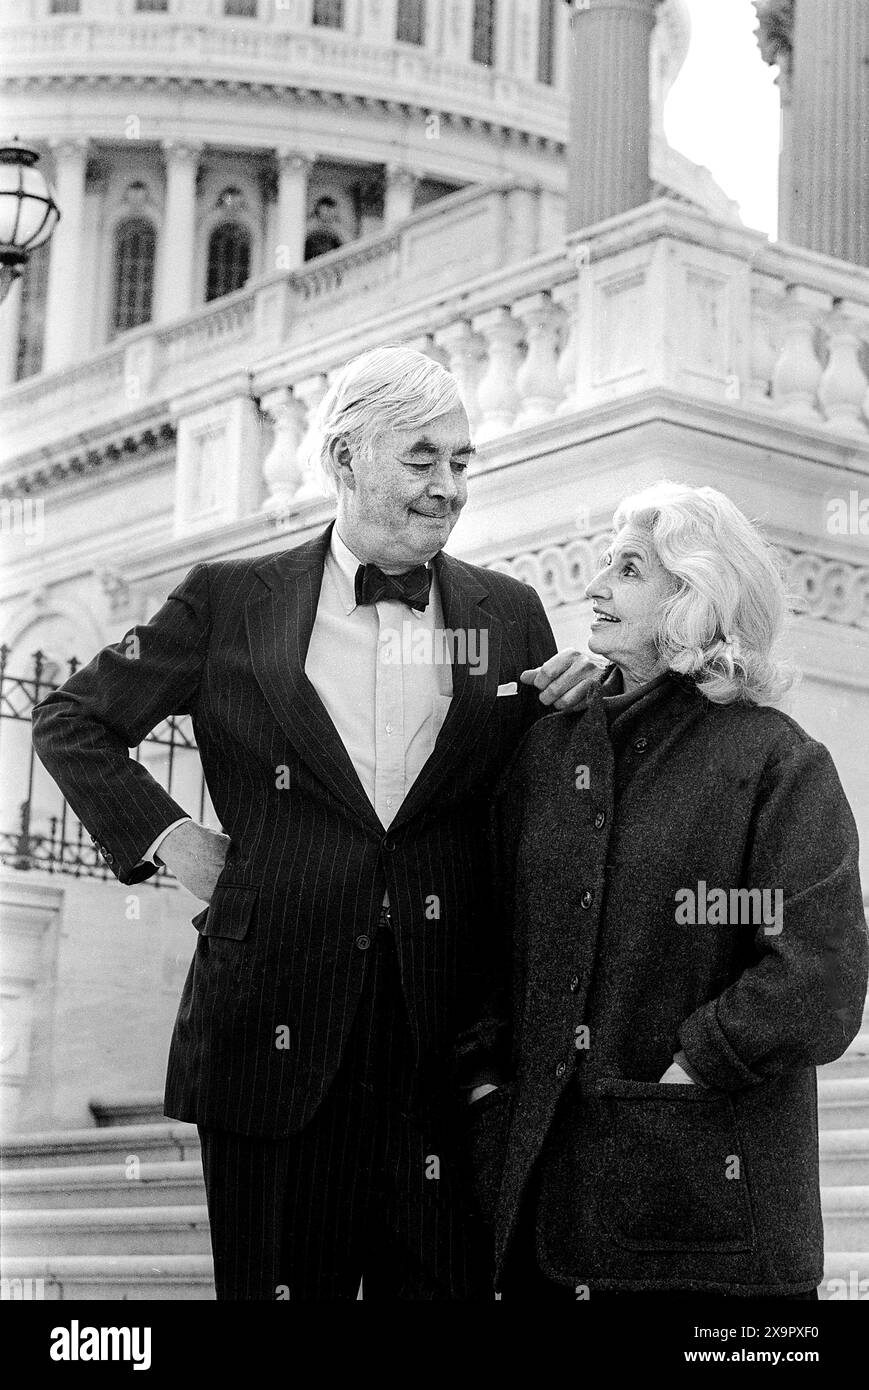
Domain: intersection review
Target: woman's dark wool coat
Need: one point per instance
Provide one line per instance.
(645, 1186)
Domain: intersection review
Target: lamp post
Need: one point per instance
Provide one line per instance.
(28, 212)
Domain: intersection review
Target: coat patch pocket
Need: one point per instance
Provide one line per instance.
(673, 1174)
(229, 913)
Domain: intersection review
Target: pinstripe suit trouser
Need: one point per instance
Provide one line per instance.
(373, 1188)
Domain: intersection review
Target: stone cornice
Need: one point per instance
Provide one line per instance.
(350, 103)
(83, 457)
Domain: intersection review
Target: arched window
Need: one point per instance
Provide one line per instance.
(135, 251)
(328, 13)
(31, 323)
(483, 43)
(546, 43)
(228, 259)
(410, 21)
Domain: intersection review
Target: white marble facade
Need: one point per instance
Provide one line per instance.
(667, 341)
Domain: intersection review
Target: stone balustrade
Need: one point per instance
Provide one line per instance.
(662, 298)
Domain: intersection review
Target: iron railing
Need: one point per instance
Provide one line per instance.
(38, 828)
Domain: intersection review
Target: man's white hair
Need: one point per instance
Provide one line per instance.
(387, 388)
(722, 623)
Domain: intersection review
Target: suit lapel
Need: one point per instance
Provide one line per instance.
(463, 601)
(279, 625)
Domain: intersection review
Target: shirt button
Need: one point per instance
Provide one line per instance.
(389, 801)
(586, 899)
(363, 942)
(574, 983)
(561, 1069)
(641, 745)
(599, 820)
(389, 728)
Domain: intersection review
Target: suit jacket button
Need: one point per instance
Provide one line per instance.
(599, 820)
(560, 1069)
(389, 843)
(586, 899)
(363, 942)
(574, 983)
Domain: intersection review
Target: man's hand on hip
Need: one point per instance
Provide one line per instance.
(195, 856)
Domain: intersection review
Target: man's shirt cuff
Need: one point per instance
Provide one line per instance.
(148, 856)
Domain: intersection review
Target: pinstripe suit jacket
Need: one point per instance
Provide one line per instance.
(273, 985)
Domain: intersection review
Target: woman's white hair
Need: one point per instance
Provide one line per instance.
(387, 388)
(722, 623)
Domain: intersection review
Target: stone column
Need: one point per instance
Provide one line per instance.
(608, 141)
(31, 919)
(398, 197)
(66, 274)
(292, 210)
(177, 245)
(10, 327)
(775, 38)
(827, 207)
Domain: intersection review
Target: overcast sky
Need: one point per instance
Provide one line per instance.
(723, 110)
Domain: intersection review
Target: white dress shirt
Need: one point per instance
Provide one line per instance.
(387, 706)
(383, 677)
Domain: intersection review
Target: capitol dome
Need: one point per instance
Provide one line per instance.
(197, 144)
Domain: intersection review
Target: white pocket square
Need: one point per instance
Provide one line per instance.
(509, 688)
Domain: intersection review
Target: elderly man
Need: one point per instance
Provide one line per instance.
(353, 701)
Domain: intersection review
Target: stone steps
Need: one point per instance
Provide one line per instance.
(116, 1277)
(844, 1157)
(98, 1231)
(843, 1101)
(154, 1143)
(144, 1109)
(844, 1273)
(103, 1185)
(846, 1217)
(118, 1211)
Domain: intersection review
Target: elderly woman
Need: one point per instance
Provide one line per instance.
(677, 865)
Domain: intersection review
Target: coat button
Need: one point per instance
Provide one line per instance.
(574, 983)
(561, 1069)
(599, 820)
(363, 942)
(586, 899)
(641, 744)
(389, 843)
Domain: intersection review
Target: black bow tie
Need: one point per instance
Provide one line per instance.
(412, 587)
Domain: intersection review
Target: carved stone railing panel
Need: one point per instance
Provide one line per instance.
(661, 299)
(818, 586)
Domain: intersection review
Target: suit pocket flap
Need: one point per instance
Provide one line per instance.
(229, 913)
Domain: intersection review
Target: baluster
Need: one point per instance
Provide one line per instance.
(430, 348)
(282, 470)
(497, 392)
(310, 392)
(537, 378)
(843, 382)
(567, 296)
(797, 372)
(464, 352)
(763, 353)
